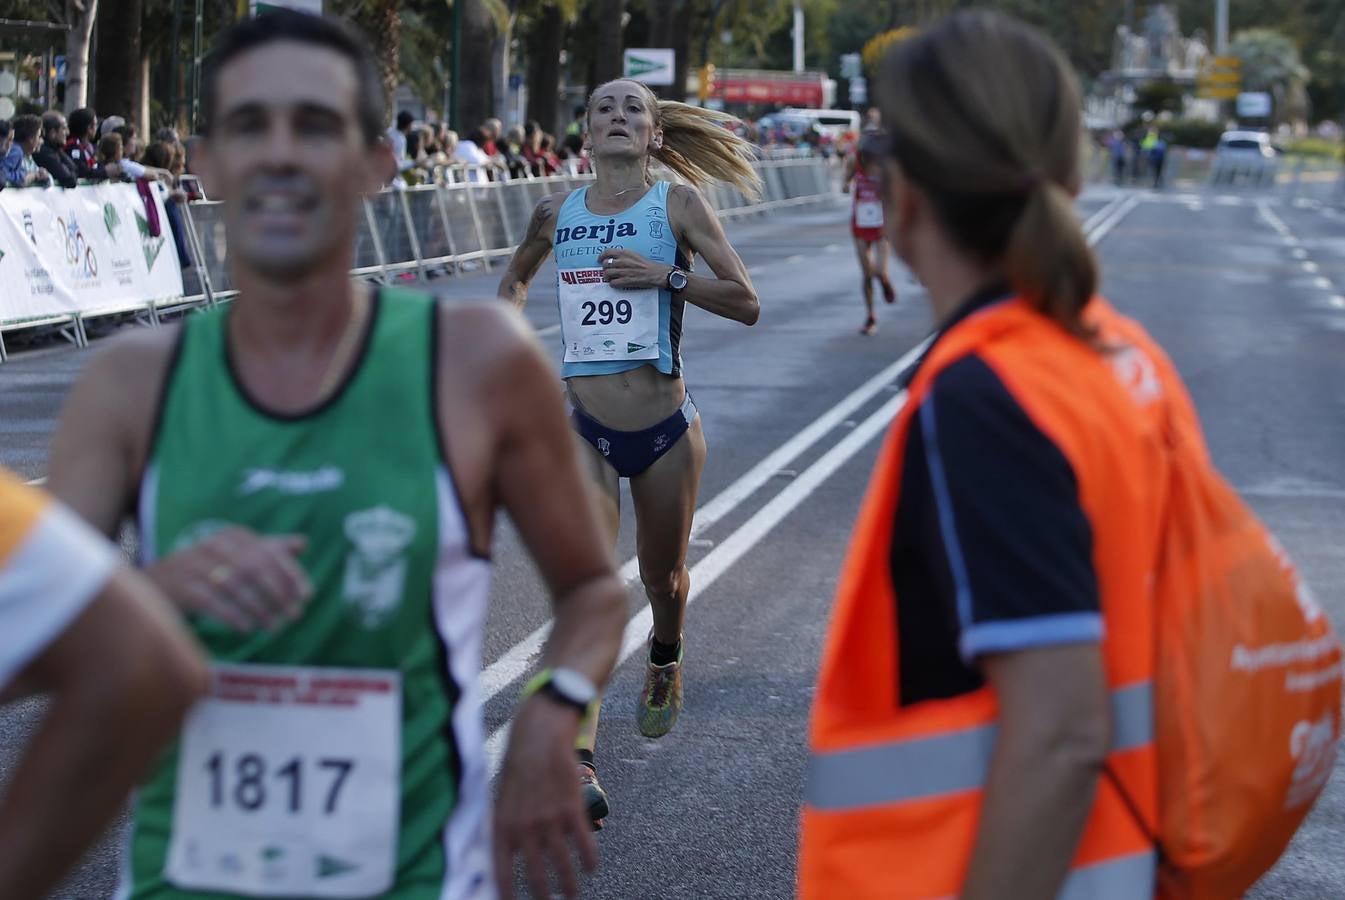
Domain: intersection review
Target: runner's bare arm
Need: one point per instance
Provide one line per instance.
(98, 454)
(1055, 726)
(521, 456)
(730, 293)
(120, 679)
(531, 252)
(100, 445)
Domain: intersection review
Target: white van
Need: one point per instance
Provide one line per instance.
(835, 122)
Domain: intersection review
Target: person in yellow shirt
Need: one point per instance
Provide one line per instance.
(119, 672)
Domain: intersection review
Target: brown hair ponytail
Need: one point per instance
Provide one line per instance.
(1047, 257)
(985, 117)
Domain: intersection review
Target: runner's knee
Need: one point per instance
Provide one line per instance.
(665, 585)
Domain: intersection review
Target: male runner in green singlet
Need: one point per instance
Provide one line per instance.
(315, 470)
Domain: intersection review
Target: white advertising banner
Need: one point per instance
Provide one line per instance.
(89, 249)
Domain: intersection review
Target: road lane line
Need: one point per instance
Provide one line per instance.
(719, 560)
(1103, 228)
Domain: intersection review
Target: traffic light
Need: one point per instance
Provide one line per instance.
(707, 85)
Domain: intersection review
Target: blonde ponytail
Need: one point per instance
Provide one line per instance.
(696, 144)
(699, 148)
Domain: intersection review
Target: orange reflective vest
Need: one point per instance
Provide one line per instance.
(893, 793)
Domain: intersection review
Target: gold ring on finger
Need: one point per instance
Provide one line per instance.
(220, 574)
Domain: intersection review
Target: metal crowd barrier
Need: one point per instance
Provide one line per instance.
(464, 223)
(461, 223)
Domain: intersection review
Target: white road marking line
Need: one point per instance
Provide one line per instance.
(550, 329)
(1309, 267)
(749, 534)
(1263, 209)
(794, 258)
(1104, 227)
(38, 482)
(1300, 253)
(1324, 283)
(517, 660)
(1338, 302)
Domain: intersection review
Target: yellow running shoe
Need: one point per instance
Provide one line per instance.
(661, 699)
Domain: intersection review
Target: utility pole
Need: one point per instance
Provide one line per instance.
(455, 75)
(798, 35)
(1221, 27)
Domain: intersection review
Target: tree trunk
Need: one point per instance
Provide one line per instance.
(81, 18)
(499, 71)
(476, 102)
(118, 63)
(680, 41)
(544, 46)
(382, 23)
(607, 62)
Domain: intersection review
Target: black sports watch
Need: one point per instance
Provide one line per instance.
(677, 280)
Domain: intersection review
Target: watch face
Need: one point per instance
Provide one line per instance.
(573, 685)
(677, 281)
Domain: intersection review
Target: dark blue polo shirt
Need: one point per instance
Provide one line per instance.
(992, 552)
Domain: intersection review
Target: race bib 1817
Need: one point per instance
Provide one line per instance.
(288, 784)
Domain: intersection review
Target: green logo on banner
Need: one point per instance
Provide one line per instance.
(111, 221)
(634, 348)
(638, 65)
(330, 867)
(148, 242)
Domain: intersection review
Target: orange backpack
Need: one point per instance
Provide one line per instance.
(1248, 668)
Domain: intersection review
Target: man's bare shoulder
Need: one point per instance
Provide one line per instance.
(133, 363)
(481, 335)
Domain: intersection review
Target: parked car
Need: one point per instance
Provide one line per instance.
(1246, 153)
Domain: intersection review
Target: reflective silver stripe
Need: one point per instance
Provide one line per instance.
(1132, 716)
(945, 763)
(1126, 878)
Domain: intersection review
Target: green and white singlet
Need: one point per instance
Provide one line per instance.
(340, 755)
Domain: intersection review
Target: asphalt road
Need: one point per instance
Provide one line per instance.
(792, 410)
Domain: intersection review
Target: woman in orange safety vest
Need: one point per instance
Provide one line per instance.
(983, 723)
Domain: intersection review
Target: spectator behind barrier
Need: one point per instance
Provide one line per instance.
(79, 146)
(110, 149)
(511, 148)
(51, 154)
(573, 145)
(20, 169)
(130, 140)
(397, 137)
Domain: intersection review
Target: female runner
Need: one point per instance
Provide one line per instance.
(624, 247)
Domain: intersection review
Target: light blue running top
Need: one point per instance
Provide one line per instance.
(579, 241)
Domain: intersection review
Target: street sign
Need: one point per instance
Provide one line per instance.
(1254, 105)
(859, 90)
(60, 68)
(1220, 78)
(652, 65)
